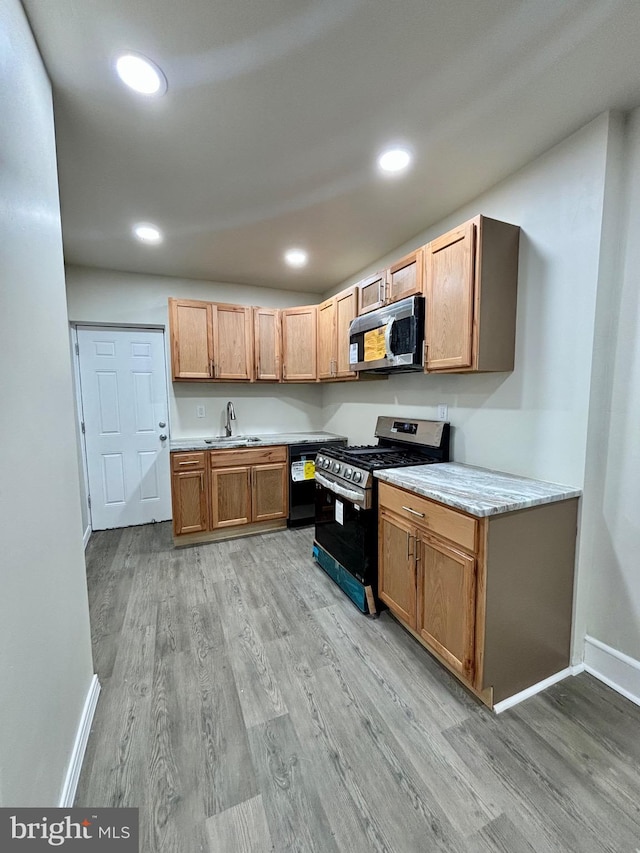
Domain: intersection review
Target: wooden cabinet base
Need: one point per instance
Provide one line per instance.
(229, 533)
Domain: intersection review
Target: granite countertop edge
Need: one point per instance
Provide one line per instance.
(264, 440)
(480, 492)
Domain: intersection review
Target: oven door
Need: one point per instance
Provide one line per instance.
(348, 534)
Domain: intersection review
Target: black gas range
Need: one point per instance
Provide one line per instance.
(346, 533)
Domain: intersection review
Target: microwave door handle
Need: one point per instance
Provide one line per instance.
(387, 336)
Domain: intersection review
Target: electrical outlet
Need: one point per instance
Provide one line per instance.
(199, 411)
(443, 411)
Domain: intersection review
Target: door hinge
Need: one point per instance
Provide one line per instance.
(77, 348)
(89, 500)
(82, 428)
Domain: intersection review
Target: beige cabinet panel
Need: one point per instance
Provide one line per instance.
(230, 497)
(299, 344)
(189, 501)
(269, 492)
(191, 339)
(397, 567)
(372, 292)
(327, 339)
(232, 342)
(405, 277)
(266, 325)
(447, 602)
(346, 311)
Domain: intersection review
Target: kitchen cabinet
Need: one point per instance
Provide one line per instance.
(267, 337)
(299, 344)
(405, 277)
(210, 341)
(334, 317)
(248, 486)
(191, 333)
(372, 292)
(490, 597)
(232, 334)
(471, 277)
(189, 493)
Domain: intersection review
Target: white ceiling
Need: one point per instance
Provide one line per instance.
(277, 109)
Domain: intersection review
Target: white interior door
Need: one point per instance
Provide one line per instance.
(124, 399)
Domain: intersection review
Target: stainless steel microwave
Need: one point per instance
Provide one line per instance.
(389, 339)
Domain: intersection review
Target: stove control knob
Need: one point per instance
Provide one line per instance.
(326, 463)
(337, 467)
(319, 461)
(348, 472)
(357, 476)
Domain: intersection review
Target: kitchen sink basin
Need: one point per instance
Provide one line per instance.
(238, 440)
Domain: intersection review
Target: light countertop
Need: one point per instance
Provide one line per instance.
(477, 491)
(254, 440)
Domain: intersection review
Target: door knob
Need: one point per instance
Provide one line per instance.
(163, 437)
(162, 424)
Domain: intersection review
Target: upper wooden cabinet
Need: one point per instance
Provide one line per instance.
(210, 340)
(299, 344)
(191, 331)
(372, 292)
(471, 276)
(334, 317)
(267, 340)
(405, 277)
(232, 342)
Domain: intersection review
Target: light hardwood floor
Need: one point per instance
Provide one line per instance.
(248, 706)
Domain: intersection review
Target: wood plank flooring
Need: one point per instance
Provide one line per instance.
(248, 707)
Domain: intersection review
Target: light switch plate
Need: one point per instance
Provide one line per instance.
(443, 411)
(199, 411)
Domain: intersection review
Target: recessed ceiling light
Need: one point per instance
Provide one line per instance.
(296, 257)
(147, 233)
(394, 160)
(140, 74)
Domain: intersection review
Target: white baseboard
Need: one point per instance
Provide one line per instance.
(86, 537)
(77, 755)
(614, 668)
(510, 701)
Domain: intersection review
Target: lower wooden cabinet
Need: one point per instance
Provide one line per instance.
(490, 597)
(189, 493)
(221, 493)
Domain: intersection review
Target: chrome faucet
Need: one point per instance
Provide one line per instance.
(231, 416)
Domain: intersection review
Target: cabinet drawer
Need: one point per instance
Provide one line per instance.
(248, 456)
(431, 516)
(187, 461)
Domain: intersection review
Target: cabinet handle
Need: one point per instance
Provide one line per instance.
(202, 481)
(182, 464)
(413, 511)
(409, 538)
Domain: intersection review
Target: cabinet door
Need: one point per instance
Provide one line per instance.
(191, 339)
(450, 289)
(232, 342)
(269, 492)
(266, 328)
(299, 344)
(447, 602)
(327, 339)
(371, 292)
(346, 310)
(189, 502)
(230, 497)
(397, 567)
(405, 277)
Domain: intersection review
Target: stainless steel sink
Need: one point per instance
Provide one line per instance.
(237, 440)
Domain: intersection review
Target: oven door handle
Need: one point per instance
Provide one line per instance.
(349, 494)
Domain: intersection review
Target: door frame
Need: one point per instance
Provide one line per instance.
(75, 350)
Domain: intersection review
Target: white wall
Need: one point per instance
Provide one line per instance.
(105, 296)
(532, 421)
(613, 605)
(45, 649)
